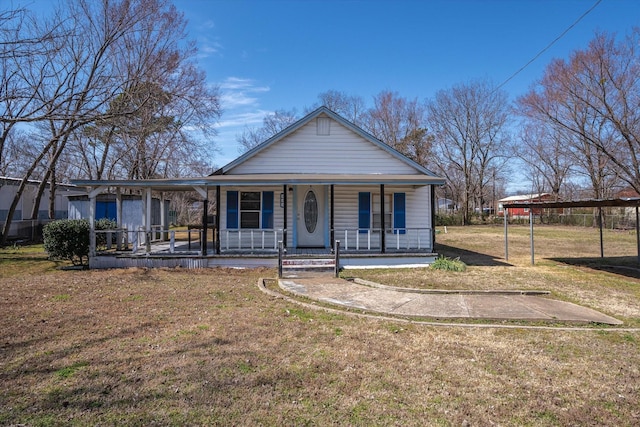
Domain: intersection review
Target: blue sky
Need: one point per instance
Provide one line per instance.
(267, 55)
(272, 54)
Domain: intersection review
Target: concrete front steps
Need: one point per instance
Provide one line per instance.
(295, 267)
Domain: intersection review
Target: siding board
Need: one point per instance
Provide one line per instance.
(304, 151)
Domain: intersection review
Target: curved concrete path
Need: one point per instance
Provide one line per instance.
(494, 305)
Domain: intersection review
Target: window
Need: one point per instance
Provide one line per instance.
(376, 211)
(394, 212)
(249, 209)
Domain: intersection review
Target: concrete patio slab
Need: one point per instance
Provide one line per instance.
(500, 305)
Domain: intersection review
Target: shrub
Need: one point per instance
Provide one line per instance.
(448, 219)
(67, 239)
(448, 264)
(101, 238)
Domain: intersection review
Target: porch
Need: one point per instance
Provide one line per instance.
(192, 248)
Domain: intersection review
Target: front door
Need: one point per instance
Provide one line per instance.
(310, 214)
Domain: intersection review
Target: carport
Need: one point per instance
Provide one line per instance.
(589, 203)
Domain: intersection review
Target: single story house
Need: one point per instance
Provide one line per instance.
(321, 180)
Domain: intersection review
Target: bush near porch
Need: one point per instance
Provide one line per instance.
(68, 239)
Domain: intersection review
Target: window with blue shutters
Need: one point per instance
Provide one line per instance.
(249, 209)
(399, 213)
(364, 211)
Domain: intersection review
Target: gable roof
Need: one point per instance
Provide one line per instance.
(304, 121)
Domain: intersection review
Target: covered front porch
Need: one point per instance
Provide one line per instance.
(283, 216)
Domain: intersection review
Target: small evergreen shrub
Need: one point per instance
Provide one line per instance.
(101, 238)
(67, 239)
(448, 264)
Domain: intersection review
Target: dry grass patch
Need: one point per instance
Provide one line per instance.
(207, 347)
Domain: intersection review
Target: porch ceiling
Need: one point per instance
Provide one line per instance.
(188, 184)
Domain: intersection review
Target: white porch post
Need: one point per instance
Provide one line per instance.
(163, 219)
(93, 194)
(92, 225)
(147, 219)
(118, 219)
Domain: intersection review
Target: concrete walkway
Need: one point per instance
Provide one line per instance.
(494, 305)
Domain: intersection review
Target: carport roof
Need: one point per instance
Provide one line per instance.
(584, 203)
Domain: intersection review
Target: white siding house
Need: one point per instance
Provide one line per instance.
(319, 181)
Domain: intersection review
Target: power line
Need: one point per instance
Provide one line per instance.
(550, 44)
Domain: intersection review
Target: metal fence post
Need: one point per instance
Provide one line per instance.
(337, 258)
(280, 254)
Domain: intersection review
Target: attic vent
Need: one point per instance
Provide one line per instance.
(323, 125)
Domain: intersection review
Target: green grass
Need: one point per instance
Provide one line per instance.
(69, 371)
(448, 264)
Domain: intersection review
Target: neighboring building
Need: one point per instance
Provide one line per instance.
(524, 212)
(446, 206)
(106, 208)
(22, 226)
(320, 180)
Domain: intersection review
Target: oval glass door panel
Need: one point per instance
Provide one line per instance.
(310, 211)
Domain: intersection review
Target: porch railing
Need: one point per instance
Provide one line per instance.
(253, 239)
(370, 239)
(355, 239)
(122, 239)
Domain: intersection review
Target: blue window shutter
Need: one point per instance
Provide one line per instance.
(232, 209)
(364, 211)
(399, 213)
(267, 209)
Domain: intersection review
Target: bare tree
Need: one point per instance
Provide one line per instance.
(351, 107)
(469, 122)
(545, 151)
(593, 96)
(271, 124)
(400, 123)
(97, 54)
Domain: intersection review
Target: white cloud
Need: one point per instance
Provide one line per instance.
(240, 92)
(244, 119)
(208, 47)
